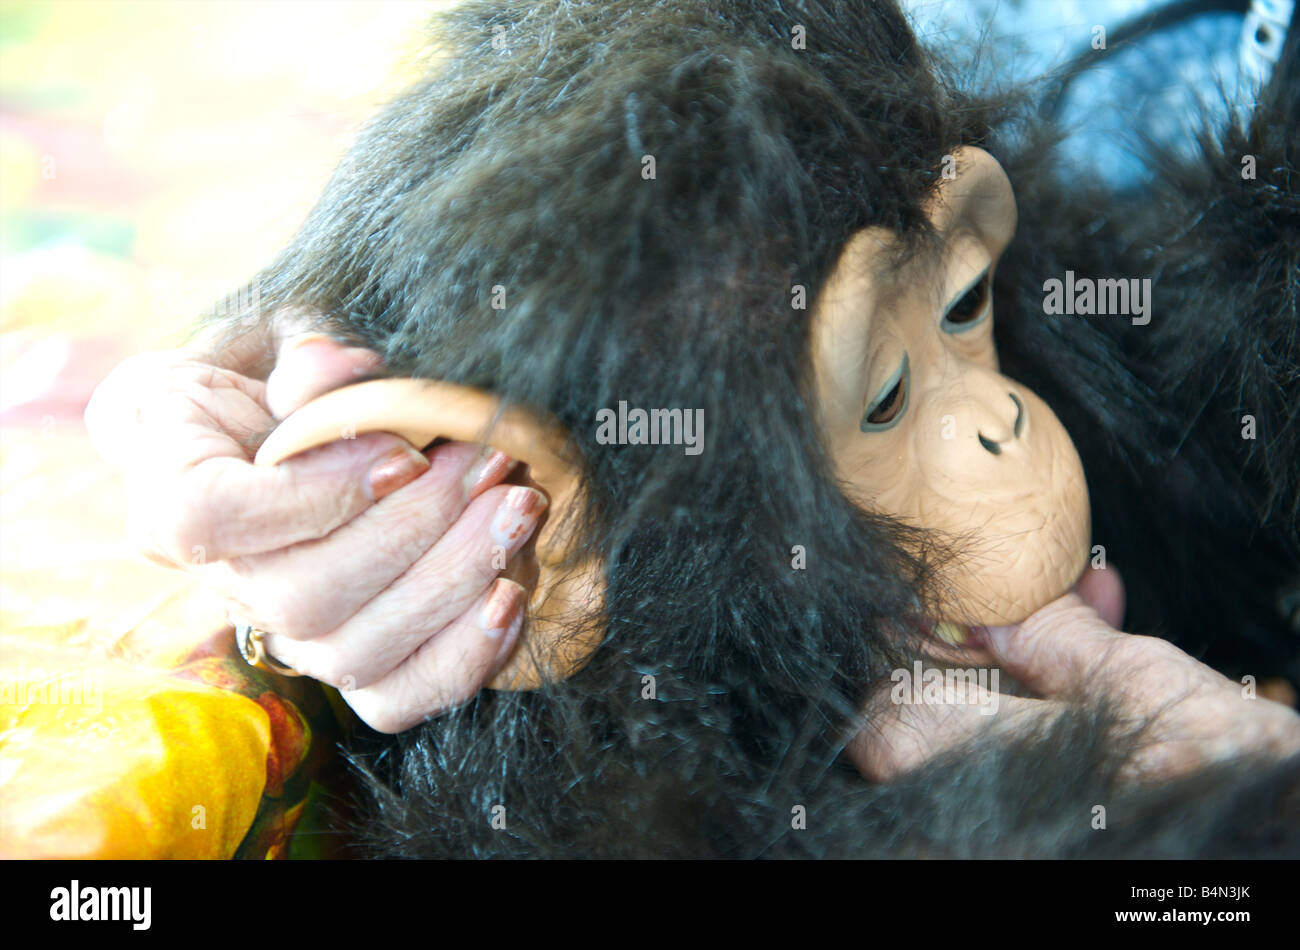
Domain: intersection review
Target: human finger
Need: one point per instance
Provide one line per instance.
(447, 669)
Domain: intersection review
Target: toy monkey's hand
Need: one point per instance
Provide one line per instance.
(368, 563)
(1069, 653)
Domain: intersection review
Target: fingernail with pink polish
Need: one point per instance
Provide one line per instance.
(390, 473)
(490, 468)
(503, 611)
(515, 520)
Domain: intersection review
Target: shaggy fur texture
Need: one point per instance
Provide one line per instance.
(521, 167)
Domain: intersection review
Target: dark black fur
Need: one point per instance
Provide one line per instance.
(522, 167)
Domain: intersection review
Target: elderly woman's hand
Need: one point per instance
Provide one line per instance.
(1068, 653)
(372, 567)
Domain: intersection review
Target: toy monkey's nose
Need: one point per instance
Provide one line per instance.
(992, 445)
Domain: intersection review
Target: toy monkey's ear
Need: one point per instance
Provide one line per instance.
(553, 644)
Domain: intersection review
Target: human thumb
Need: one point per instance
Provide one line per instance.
(312, 364)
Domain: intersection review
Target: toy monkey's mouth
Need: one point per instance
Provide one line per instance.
(951, 643)
(953, 634)
(948, 641)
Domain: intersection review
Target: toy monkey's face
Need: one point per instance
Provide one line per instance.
(923, 427)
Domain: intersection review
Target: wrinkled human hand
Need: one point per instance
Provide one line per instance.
(370, 564)
(1069, 654)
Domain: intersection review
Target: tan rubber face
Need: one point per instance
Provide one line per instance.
(923, 427)
(421, 411)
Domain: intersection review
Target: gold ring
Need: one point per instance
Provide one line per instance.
(249, 640)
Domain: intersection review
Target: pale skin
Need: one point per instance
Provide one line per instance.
(1068, 653)
(369, 563)
(358, 593)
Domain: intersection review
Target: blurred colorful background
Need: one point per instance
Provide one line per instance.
(153, 155)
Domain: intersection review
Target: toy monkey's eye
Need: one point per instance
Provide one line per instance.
(890, 405)
(970, 309)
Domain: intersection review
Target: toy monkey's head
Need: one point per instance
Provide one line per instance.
(604, 203)
(923, 427)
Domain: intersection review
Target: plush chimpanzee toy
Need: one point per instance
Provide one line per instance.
(779, 220)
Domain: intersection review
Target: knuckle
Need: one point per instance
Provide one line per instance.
(297, 655)
(178, 530)
(134, 368)
(273, 617)
(324, 667)
(1150, 651)
(893, 753)
(239, 612)
(140, 536)
(109, 410)
(380, 716)
(289, 619)
(1049, 625)
(157, 539)
(276, 597)
(381, 722)
(1282, 734)
(319, 511)
(194, 376)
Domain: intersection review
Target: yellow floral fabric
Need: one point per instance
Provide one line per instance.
(129, 725)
